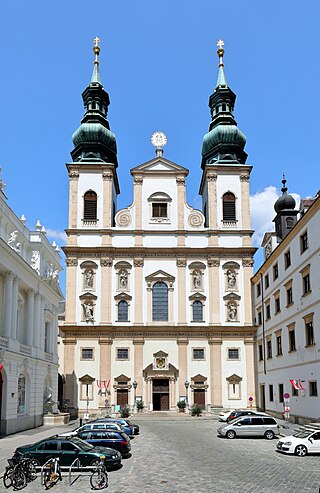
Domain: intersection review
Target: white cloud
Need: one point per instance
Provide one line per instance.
(262, 211)
(57, 234)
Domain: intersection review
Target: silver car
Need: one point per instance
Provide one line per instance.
(250, 426)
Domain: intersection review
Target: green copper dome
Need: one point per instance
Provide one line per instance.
(285, 201)
(223, 134)
(94, 132)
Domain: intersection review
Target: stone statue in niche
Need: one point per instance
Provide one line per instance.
(35, 261)
(197, 279)
(232, 312)
(231, 279)
(88, 279)
(48, 402)
(123, 279)
(88, 312)
(16, 246)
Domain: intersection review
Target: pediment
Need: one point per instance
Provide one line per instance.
(160, 275)
(123, 296)
(122, 378)
(88, 295)
(159, 165)
(86, 379)
(232, 296)
(197, 296)
(199, 378)
(160, 354)
(234, 378)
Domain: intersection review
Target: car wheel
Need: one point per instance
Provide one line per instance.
(35, 462)
(301, 450)
(231, 434)
(269, 435)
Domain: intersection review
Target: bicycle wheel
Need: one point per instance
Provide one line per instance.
(19, 479)
(49, 479)
(7, 477)
(31, 469)
(99, 480)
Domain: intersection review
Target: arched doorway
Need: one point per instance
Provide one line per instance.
(161, 377)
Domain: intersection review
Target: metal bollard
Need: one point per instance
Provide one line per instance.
(80, 421)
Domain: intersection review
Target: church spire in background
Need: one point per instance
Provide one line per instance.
(222, 81)
(95, 79)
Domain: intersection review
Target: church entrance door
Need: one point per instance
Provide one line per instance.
(199, 397)
(122, 398)
(160, 394)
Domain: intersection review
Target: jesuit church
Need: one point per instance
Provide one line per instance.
(158, 295)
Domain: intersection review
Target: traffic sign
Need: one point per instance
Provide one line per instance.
(286, 395)
(250, 399)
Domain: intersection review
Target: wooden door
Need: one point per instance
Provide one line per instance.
(199, 397)
(164, 402)
(122, 398)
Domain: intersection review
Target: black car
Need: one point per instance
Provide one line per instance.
(69, 449)
(238, 414)
(108, 438)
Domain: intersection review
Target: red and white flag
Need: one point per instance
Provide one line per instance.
(296, 384)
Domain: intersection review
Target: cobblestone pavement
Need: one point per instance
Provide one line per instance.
(186, 455)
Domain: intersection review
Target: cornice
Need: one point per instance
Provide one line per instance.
(137, 251)
(150, 232)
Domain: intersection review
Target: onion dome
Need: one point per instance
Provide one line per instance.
(224, 143)
(93, 140)
(285, 201)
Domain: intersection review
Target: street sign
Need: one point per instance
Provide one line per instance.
(250, 399)
(286, 395)
(287, 409)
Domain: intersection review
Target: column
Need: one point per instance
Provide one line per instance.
(73, 199)
(41, 324)
(212, 203)
(250, 373)
(172, 389)
(106, 291)
(15, 291)
(138, 181)
(36, 318)
(138, 291)
(149, 394)
(149, 303)
(183, 363)
(182, 293)
(215, 372)
(138, 363)
(8, 305)
(30, 317)
(71, 290)
(170, 304)
(181, 199)
(245, 208)
(54, 332)
(105, 366)
(107, 207)
(247, 274)
(71, 385)
(214, 293)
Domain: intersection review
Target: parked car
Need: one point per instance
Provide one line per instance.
(250, 426)
(303, 442)
(69, 449)
(225, 414)
(93, 425)
(245, 412)
(108, 438)
(127, 426)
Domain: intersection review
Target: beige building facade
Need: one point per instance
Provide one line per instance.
(158, 299)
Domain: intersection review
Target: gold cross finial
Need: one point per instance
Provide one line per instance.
(96, 49)
(220, 52)
(220, 44)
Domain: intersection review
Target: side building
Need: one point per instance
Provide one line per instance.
(29, 298)
(286, 299)
(158, 298)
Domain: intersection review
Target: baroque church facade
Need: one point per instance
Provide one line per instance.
(158, 296)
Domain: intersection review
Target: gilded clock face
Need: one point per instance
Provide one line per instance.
(158, 139)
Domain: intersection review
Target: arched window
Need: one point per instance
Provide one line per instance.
(21, 407)
(90, 206)
(122, 311)
(229, 207)
(160, 302)
(197, 311)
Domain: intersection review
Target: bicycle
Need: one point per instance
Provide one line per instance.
(53, 475)
(99, 477)
(19, 472)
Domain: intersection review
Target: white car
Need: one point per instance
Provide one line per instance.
(92, 426)
(223, 416)
(303, 442)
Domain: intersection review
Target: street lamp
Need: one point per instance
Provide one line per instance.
(186, 384)
(135, 385)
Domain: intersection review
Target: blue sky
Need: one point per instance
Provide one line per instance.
(159, 65)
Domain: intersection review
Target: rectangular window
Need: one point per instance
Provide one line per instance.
(233, 353)
(271, 393)
(269, 349)
(279, 345)
(159, 210)
(87, 353)
(123, 353)
(258, 290)
(313, 389)
(304, 242)
(259, 318)
(47, 337)
(292, 340)
(268, 312)
(198, 354)
(275, 271)
(280, 392)
(306, 284)
(289, 296)
(309, 334)
(277, 305)
(266, 281)
(295, 392)
(287, 259)
(260, 352)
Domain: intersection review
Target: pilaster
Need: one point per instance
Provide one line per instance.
(250, 373)
(106, 291)
(73, 199)
(215, 372)
(71, 385)
(105, 363)
(15, 291)
(138, 343)
(71, 289)
(245, 207)
(214, 294)
(247, 274)
(183, 363)
(138, 290)
(181, 199)
(137, 189)
(181, 264)
(8, 305)
(30, 317)
(212, 203)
